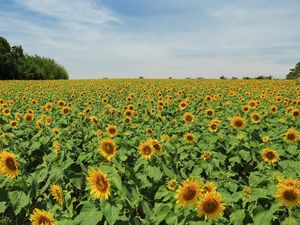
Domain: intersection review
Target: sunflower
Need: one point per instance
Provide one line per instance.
(252, 104)
(48, 121)
(255, 117)
(28, 117)
(107, 148)
(188, 193)
(269, 155)
(127, 119)
(291, 136)
(238, 122)
(111, 130)
(100, 184)
(57, 193)
(13, 123)
(208, 187)
(288, 193)
(146, 149)
(265, 139)
(211, 205)
(295, 113)
(41, 217)
(189, 137)
(245, 108)
(99, 133)
(55, 131)
(6, 111)
(66, 110)
(213, 127)
(247, 191)
(188, 117)
(209, 112)
(8, 165)
(157, 146)
(273, 108)
(172, 184)
(206, 155)
(48, 106)
(94, 120)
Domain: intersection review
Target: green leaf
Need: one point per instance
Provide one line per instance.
(262, 217)
(162, 192)
(163, 212)
(237, 217)
(111, 213)
(19, 200)
(34, 146)
(89, 214)
(2, 207)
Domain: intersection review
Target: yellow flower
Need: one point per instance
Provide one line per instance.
(100, 184)
(107, 148)
(111, 130)
(41, 217)
(57, 193)
(189, 137)
(255, 117)
(269, 155)
(188, 193)
(188, 117)
(288, 193)
(56, 146)
(146, 150)
(211, 205)
(291, 136)
(172, 184)
(238, 122)
(8, 165)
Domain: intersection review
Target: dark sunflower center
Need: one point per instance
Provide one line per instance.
(296, 113)
(213, 126)
(189, 194)
(290, 195)
(210, 206)
(43, 220)
(109, 148)
(66, 111)
(190, 137)
(156, 146)
(147, 150)
(291, 136)
(13, 124)
(270, 155)
(188, 118)
(209, 113)
(101, 183)
(238, 123)
(10, 163)
(255, 117)
(112, 130)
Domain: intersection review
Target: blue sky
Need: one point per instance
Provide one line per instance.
(158, 38)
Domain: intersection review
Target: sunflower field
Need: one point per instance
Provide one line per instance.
(138, 151)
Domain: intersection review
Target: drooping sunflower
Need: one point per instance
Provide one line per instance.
(255, 117)
(107, 148)
(189, 137)
(41, 217)
(172, 184)
(206, 155)
(238, 122)
(99, 183)
(111, 130)
(288, 193)
(57, 193)
(94, 120)
(269, 155)
(56, 146)
(188, 117)
(291, 136)
(48, 121)
(8, 165)
(99, 133)
(188, 193)
(55, 131)
(146, 149)
(210, 205)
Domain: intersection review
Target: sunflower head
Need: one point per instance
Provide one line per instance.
(99, 183)
(210, 206)
(255, 117)
(188, 117)
(291, 136)
(269, 155)
(206, 155)
(28, 117)
(13, 123)
(111, 130)
(107, 148)
(94, 120)
(156, 146)
(65, 110)
(41, 217)
(238, 122)
(209, 112)
(146, 149)
(288, 193)
(265, 139)
(189, 137)
(188, 193)
(172, 184)
(8, 165)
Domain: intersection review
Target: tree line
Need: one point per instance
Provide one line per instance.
(17, 65)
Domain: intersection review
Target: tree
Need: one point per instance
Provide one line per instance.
(294, 73)
(15, 65)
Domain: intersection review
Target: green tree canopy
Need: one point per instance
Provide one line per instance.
(294, 73)
(15, 65)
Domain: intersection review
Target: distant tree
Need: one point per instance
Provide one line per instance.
(294, 73)
(222, 77)
(246, 78)
(15, 65)
(234, 78)
(263, 77)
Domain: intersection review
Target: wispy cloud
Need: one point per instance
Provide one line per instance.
(94, 38)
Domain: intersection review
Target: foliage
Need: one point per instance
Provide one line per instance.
(61, 144)
(294, 73)
(15, 65)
